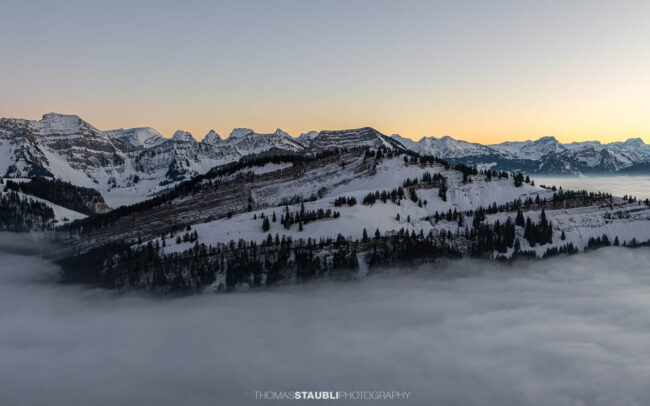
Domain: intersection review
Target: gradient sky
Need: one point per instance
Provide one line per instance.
(484, 71)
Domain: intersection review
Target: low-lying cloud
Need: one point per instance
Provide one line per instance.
(565, 331)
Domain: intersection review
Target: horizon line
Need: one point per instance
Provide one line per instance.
(318, 131)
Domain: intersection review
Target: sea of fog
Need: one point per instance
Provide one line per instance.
(638, 186)
(564, 331)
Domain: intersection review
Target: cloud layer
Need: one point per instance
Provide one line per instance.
(558, 332)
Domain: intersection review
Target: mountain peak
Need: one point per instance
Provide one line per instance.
(281, 132)
(183, 136)
(308, 135)
(240, 132)
(634, 141)
(138, 137)
(212, 138)
(548, 138)
(58, 116)
(63, 124)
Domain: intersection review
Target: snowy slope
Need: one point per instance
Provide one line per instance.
(445, 147)
(231, 226)
(61, 214)
(621, 219)
(141, 137)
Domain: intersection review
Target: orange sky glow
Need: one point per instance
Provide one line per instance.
(484, 72)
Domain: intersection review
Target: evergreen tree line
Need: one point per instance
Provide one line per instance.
(467, 171)
(120, 265)
(540, 233)
(487, 238)
(454, 215)
(280, 259)
(437, 180)
(395, 195)
(602, 241)
(345, 200)
(301, 217)
(23, 214)
(414, 158)
(275, 260)
(519, 179)
(427, 180)
(65, 194)
(576, 198)
(489, 174)
(187, 237)
(568, 249)
(632, 199)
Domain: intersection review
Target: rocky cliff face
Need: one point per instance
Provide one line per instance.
(360, 137)
(129, 165)
(125, 165)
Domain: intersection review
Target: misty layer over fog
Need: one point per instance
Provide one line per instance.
(35, 243)
(638, 186)
(565, 331)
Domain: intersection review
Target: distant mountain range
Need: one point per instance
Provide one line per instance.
(545, 156)
(129, 165)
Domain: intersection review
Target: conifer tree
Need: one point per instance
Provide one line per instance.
(442, 192)
(605, 240)
(519, 179)
(520, 219)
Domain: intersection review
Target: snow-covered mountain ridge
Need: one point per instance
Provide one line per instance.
(543, 156)
(130, 165)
